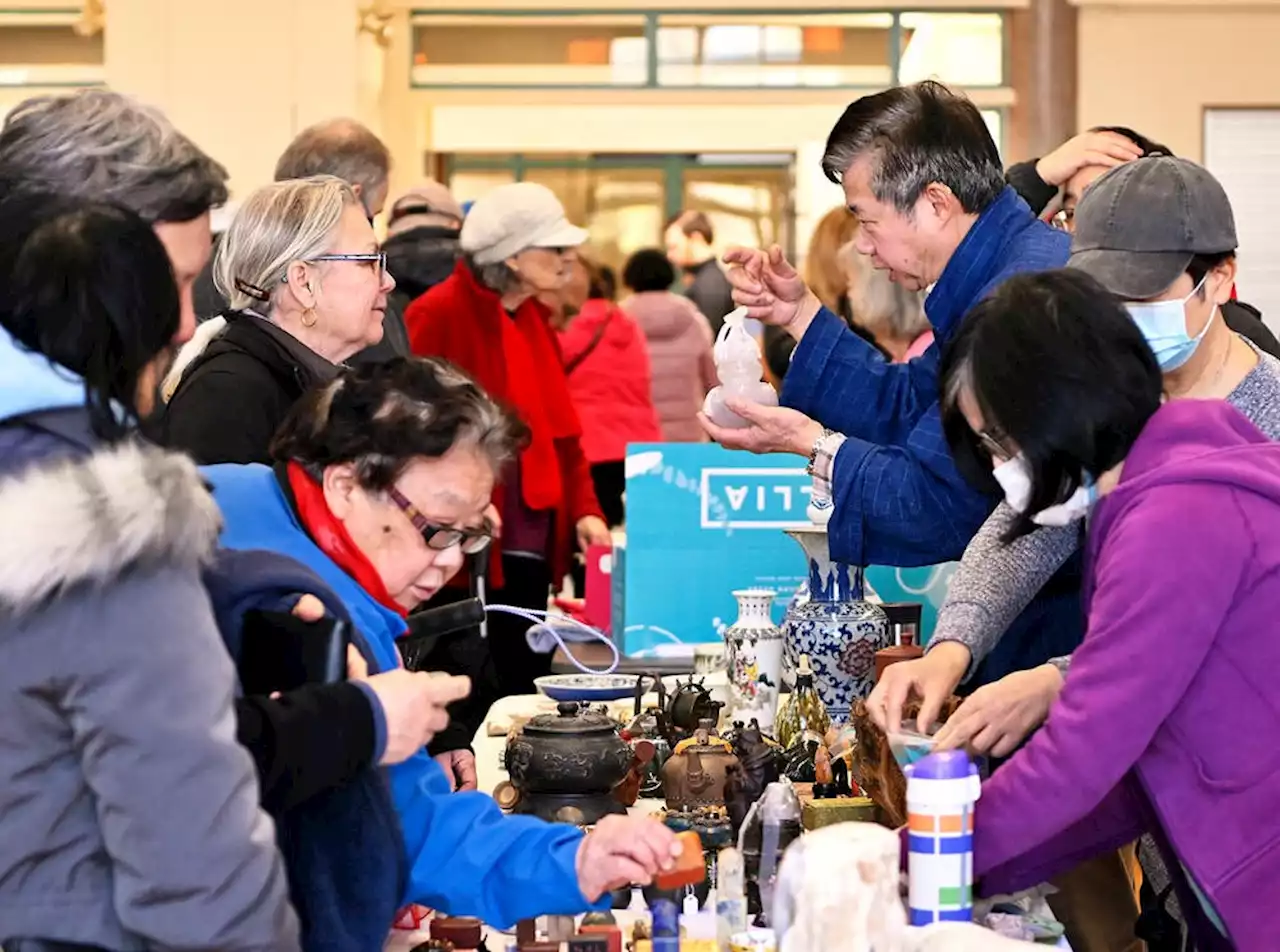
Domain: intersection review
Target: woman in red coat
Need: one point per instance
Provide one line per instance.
(606, 360)
(485, 318)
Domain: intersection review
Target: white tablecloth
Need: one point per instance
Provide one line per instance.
(490, 773)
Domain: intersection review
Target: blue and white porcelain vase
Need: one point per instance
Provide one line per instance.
(835, 626)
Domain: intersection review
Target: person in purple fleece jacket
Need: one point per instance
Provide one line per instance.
(1167, 721)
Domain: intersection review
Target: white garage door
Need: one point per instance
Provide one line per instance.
(1242, 148)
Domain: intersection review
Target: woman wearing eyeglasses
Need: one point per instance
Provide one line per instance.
(308, 286)
(381, 486)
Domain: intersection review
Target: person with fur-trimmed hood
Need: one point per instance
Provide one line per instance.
(131, 813)
(89, 323)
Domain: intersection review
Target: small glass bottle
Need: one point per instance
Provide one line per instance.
(803, 715)
(731, 897)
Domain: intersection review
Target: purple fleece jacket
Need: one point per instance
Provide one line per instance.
(1171, 712)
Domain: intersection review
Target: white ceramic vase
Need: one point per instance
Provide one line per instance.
(753, 652)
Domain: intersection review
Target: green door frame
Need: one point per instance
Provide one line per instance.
(672, 166)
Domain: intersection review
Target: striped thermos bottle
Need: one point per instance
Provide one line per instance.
(941, 792)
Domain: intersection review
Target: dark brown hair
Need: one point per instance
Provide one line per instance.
(381, 417)
(694, 223)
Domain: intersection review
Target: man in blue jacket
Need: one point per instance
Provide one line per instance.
(921, 172)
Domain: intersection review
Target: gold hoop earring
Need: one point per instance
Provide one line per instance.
(309, 323)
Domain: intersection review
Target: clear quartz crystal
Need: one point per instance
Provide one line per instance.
(731, 897)
(739, 368)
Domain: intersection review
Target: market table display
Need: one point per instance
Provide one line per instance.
(490, 744)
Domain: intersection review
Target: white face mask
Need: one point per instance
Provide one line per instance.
(1014, 477)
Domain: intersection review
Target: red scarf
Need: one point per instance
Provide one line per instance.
(334, 541)
(514, 358)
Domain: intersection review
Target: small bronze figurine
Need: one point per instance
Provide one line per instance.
(759, 764)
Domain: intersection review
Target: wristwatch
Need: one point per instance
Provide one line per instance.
(817, 445)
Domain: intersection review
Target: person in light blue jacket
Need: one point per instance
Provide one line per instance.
(382, 486)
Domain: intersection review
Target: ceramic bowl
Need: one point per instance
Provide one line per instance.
(590, 687)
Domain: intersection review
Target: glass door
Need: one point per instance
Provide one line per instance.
(625, 201)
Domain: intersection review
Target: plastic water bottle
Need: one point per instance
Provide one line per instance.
(941, 792)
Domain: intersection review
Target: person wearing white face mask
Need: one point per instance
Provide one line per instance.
(1160, 234)
(1159, 728)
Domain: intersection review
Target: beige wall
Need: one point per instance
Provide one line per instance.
(241, 77)
(1156, 67)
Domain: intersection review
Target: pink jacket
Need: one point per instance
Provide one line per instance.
(680, 350)
(610, 383)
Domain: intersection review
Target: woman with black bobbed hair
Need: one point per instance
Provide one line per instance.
(382, 486)
(1051, 393)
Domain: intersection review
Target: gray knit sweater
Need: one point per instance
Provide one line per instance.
(995, 582)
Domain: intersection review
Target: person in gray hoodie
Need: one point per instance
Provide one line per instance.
(130, 812)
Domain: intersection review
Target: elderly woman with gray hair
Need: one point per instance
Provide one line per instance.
(486, 319)
(308, 286)
(882, 313)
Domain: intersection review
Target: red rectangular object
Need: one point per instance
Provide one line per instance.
(691, 865)
(599, 594)
(612, 935)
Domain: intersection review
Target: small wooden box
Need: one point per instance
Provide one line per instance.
(816, 814)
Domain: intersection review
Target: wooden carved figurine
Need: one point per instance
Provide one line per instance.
(759, 764)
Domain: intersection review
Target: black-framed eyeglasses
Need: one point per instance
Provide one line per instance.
(371, 256)
(441, 537)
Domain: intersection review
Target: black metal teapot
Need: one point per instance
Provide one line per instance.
(564, 766)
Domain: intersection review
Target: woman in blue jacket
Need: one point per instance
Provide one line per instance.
(382, 485)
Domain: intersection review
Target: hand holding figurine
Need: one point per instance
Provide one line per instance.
(771, 290)
(768, 430)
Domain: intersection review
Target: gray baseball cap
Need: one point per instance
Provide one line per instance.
(1138, 227)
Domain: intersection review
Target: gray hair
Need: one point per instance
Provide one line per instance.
(877, 303)
(497, 277)
(918, 135)
(277, 225)
(102, 145)
(340, 147)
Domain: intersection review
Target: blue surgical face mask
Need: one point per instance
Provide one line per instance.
(1164, 325)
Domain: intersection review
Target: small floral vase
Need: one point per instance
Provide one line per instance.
(753, 652)
(835, 626)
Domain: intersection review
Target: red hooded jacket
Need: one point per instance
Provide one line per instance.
(610, 381)
(516, 360)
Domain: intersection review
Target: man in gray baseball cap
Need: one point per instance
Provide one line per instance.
(1159, 233)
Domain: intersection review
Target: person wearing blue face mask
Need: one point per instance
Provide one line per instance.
(1158, 233)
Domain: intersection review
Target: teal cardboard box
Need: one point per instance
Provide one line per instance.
(703, 521)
